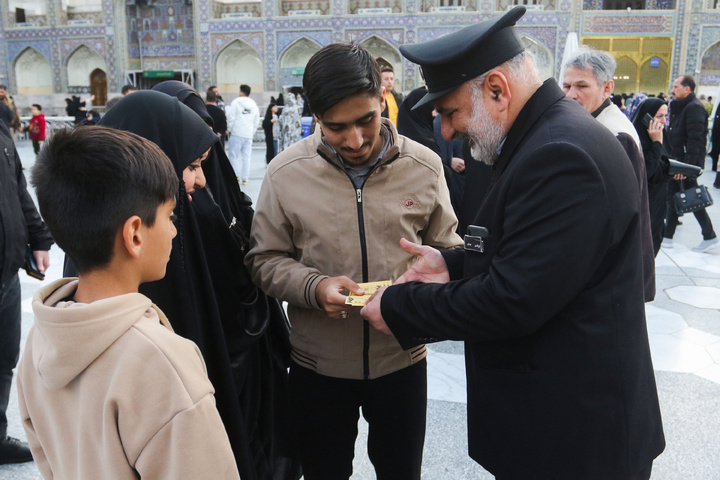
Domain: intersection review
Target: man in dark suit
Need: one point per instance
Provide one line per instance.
(687, 137)
(548, 291)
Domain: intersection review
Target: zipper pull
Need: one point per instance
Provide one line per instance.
(359, 195)
(7, 155)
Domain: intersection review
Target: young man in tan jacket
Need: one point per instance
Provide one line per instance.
(106, 389)
(330, 215)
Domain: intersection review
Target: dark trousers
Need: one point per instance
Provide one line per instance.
(325, 414)
(10, 320)
(36, 146)
(671, 221)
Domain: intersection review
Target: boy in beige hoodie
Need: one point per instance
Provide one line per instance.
(106, 389)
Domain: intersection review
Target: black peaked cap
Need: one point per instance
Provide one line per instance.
(448, 61)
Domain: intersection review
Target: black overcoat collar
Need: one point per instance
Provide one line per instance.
(545, 96)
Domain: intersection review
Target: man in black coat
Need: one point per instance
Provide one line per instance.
(687, 137)
(20, 225)
(548, 291)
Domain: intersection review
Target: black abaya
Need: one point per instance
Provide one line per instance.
(206, 288)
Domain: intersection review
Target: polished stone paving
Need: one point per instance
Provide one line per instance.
(684, 333)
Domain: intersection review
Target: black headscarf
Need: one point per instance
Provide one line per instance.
(650, 105)
(220, 176)
(187, 95)
(417, 124)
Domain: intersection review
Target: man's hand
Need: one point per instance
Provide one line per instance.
(457, 164)
(42, 258)
(371, 312)
(329, 294)
(430, 266)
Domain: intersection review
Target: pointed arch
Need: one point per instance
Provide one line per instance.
(382, 49)
(33, 73)
(239, 63)
(626, 75)
(293, 60)
(80, 65)
(654, 78)
(544, 59)
(710, 60)
(297, 54)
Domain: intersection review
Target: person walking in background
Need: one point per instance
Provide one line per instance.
(268, 125)
(548, 293)
(243, 118)
(36, 127)
(21, 228)
(687, 137)
(291, 120)
(393, 99)
(220, 102)
(219, 118)
(656, 162)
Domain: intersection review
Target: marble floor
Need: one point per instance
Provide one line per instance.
(684, 333)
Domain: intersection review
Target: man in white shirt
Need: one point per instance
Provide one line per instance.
(243, 118)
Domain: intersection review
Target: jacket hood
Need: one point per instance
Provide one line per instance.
(66, 338)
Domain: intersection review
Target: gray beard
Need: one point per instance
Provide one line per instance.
(485, 135)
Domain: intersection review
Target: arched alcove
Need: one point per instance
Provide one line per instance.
(380, 48)
(542, 56)
(626, 75)
(80, 65)
(33, 73)
(294, 59)
(239, 63)
(710, 65)
(653, 76)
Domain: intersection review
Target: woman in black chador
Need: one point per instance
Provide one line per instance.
(656, 162)
(207, 294)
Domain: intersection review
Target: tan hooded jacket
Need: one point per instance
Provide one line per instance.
(311, 223)
(107, 392)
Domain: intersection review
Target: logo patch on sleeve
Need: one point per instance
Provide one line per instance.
(409, 201)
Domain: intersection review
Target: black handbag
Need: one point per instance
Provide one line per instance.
(692, 199)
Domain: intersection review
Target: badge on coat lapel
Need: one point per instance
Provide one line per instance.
(474, 238)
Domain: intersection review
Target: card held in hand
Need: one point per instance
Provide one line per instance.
(369, 288)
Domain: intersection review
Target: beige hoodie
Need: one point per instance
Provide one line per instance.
(107, 392)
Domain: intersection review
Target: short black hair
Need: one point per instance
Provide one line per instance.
(387, 68)
(688, 81)
(38, 106)
(338, 71)
(90, 180)
(3, 87)
(245, 89)
(127, 88)
(211, 87)
(211, 96)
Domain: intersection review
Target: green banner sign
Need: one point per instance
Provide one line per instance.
(298, 71)
(158, 74)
